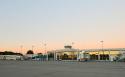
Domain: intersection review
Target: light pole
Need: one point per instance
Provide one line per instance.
(46, 51)
(109, 55)
(98, 55)
(21, 48)
(32, 47)
(72, 44)
(102, 49)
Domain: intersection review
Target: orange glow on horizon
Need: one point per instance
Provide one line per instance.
(39, 49)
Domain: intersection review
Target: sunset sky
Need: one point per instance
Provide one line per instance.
(61, 22)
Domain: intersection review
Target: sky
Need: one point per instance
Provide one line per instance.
(57, 23)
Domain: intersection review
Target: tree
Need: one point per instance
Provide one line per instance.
(30, 52)
(40, 54)
(10, 53)
(20, 54)
(51, 55)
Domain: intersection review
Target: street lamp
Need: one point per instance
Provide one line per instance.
(46, 51)
(32, 47)
(72, 44)
(21, 48)
(102, 49)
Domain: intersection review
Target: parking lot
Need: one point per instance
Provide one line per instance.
(61, 69)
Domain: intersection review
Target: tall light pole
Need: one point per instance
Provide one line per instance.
(72, 44)
(21, 48)
(45, 48)
(73, 51)
(102, 48)
(46, 51)
(32, 47)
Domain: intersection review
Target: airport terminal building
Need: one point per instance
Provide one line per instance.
(69, 53)
(110, 54)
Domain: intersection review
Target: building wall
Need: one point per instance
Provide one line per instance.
(105, 52)
(72, 55)
(104, 55)
(10, 57)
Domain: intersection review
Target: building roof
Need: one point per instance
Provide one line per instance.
(70, 49)
(105, 49)
(66, 49)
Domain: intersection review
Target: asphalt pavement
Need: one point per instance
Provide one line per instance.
(61, 69)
